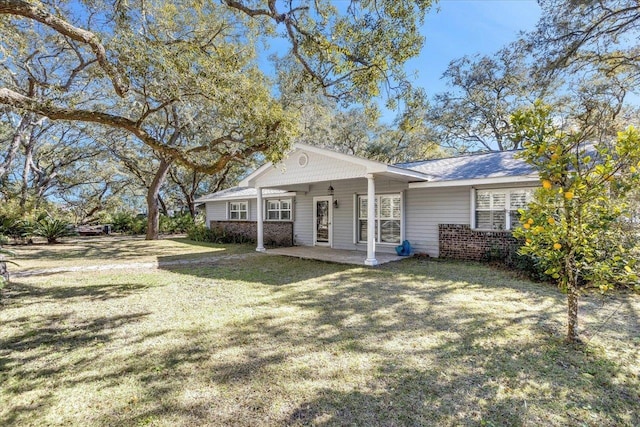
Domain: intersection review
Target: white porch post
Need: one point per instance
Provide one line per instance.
(260, 224)
(371, 223)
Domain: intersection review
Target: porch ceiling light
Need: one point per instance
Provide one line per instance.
(330, 189)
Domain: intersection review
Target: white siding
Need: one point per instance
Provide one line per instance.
(253, 213)
(216, 211)
(343, 216)
(318, 168)
(426, 208)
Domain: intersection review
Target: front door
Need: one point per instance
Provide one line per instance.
(323, 214)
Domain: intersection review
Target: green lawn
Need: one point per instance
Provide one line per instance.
(259, 340)
(104, 250)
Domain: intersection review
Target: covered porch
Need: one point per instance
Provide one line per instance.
(339, 256)
(329, 218)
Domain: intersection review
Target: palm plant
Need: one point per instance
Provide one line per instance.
(14, 228)
(51, 228)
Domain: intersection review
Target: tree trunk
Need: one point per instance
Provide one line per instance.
(572, 318)
(153, 203)
(25, 122)
(4, 272)
(26, 173)
(572, 300)
(162, 205)
(192, 206)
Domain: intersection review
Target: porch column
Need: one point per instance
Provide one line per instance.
(260, 225)
(371, 221)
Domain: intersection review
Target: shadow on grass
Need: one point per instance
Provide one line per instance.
(506, 365)
(115, 249)
(262, 269)
(52, 338)
(29, 294)
(485, 389)
(444, 344)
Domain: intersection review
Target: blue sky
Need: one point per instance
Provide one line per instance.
(455, 28)
(452, 29)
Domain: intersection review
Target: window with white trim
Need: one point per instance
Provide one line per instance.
(388, 218)
(278, 210)
(239, 210)
(498, 209)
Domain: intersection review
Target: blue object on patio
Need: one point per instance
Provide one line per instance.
(404, 249)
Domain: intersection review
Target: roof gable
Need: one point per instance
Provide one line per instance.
(303, 165)
(307, 164)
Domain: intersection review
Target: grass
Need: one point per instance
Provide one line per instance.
(280, 341)
(82, 251)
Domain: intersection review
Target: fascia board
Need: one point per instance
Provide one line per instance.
(479, 181)
(246, 182)
(264, 196)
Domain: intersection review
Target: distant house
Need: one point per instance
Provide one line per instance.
(458, 207)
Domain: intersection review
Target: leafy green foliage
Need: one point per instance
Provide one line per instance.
(186, 79)
(128, 222)
(511, 258)
(13, 224)
(14, 228)
(200, 233)
(474, 113)
(52, 228)
(601, 35)
(577, 225)
(175, 224)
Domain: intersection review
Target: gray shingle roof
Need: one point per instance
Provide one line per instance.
(472, 166)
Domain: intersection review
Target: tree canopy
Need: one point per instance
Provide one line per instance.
(577, 227)
(596, 35)
(474, 114)
(184, 77)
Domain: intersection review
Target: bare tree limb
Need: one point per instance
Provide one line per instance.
(37, 11)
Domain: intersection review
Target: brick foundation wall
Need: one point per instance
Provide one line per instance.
(276, 233)
(459, 241)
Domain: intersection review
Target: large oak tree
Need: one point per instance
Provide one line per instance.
(589, 36)
(183, 77)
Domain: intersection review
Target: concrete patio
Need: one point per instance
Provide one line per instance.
(339, 256)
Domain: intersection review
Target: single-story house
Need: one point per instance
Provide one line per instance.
(458, 207)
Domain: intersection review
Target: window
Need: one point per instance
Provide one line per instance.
(498, 209)
(279, 210)
(239, 210)
(388, 218)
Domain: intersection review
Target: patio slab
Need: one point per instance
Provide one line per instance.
(339, 256)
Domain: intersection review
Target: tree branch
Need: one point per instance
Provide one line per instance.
(37, 12)
(17, 100)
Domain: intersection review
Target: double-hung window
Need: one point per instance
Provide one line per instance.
(239, 210)
(278, 210)
(388, 218)
(498, 209)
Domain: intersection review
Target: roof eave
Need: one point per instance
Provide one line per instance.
(517, 179)
(247, 181)
(245, 197)
(408, 173)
